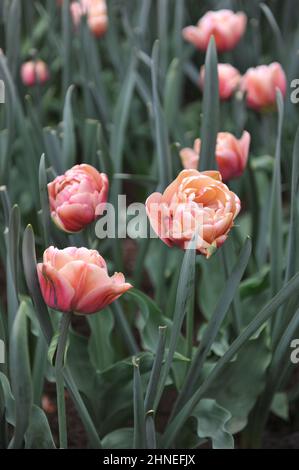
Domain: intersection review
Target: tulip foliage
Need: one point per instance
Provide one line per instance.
(180, 338)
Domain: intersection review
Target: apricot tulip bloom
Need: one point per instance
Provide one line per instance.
(76, 198)
(96, 12)
(260, 84)
(231, 154)
(76, 280)
(194, 204)
(226, 26)
(228, 77)
(34, 73)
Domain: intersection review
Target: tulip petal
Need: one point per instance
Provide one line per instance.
(56, 290)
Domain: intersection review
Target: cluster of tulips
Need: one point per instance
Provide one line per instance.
(259, 84)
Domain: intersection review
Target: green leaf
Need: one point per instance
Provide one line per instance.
(162, 141)
(139, 414)
(214, 325)
(38, 435)
(119, 439)
(12, 238)
(271, 307)
(124, 327)
(13, 243)
(172, 92)
(213, 269)
(276, 209)
(156, 370)
(185, 286)
(210, 121)
(19, 366)
(29, 263)
(275, 30)
(280, 405)
(253, 285)
(13, 32)
(212, 420)
(121, 115)
(244, 379)
(67, 35)
(53, 149)
(292, 253)
(68, 140)
(149, 321)
(151, 440)
(100, 345)
(6, 205)
(44, 199)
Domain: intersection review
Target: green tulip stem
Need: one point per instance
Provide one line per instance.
(59, 365)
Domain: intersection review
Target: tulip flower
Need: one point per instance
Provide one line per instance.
(76, 198)
(260, 84)
(96, 12)
(231, 155)
(228, 77)
(196, 204)
(226, 26)
(76, 280)
(34, 72)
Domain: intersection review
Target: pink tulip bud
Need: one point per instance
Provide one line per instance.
(76, 280)
(260, 85)
(76, 198)
(231, 155)
(229, 78)
(96, 12)
(33, 73)
(226, 26)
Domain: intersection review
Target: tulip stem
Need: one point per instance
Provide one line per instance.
(59, 365)
(190, 324)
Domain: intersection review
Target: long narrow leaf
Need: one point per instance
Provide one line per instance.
(210, 122)
(214, 325)
(272, 306)
(139, 415)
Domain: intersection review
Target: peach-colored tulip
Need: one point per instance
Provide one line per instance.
(194, 204)
(34, 72)
(226, 26)
(96, 12)
(76, 198)
(228, 77)
(231, 155)
(77, 280)
(260, 84)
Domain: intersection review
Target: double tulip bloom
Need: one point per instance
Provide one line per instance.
(96, 12)
(231, 154)
(260, 84)
(228, 77)
(76, 280)
(77, 197)
(195, 204)
(34, 73)
(226, 26)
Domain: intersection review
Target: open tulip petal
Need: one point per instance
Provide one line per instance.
(56, 289)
